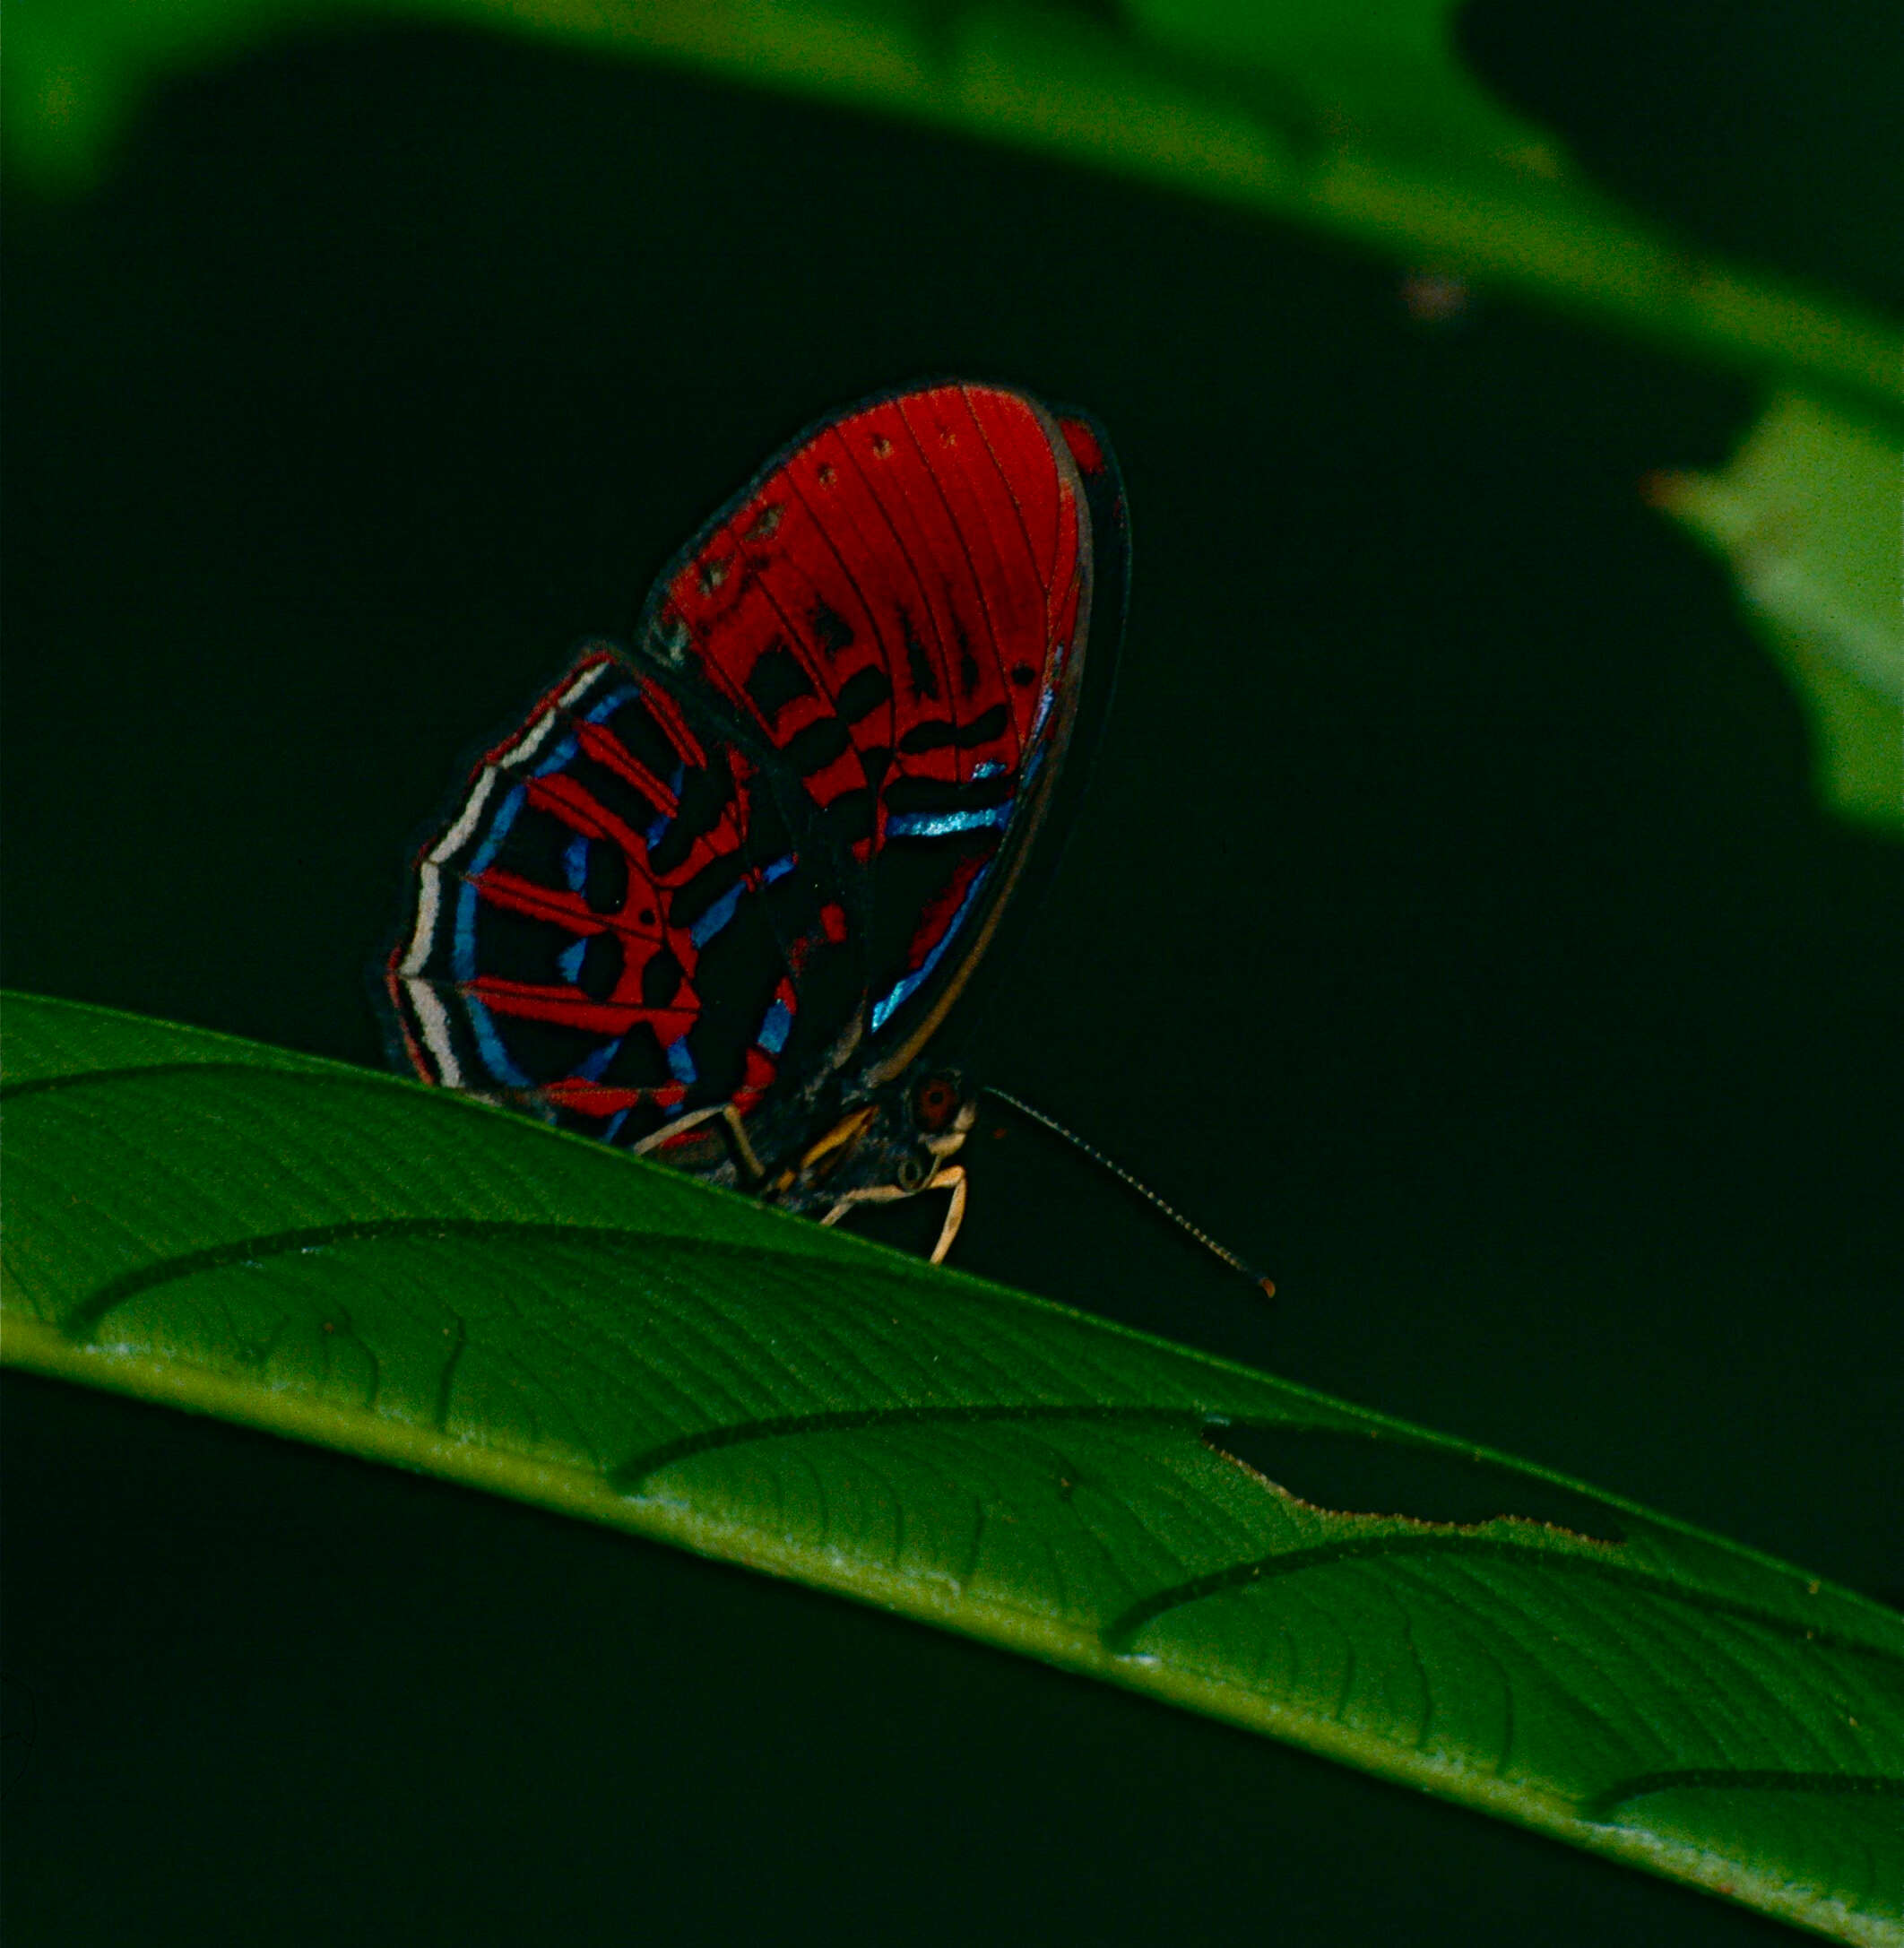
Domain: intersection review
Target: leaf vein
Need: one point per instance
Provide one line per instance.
(1122, 1630)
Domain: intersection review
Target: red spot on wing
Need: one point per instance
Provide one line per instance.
(666, 713)
(939, 912)
(565, 909)
(593, 1098)
(1083, 443)
(569, 1008)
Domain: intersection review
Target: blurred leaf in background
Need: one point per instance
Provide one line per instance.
(1808, 515)
(1358, 120)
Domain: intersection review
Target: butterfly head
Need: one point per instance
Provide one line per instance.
(893, 1143)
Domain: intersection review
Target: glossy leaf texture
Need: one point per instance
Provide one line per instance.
(408, 1275)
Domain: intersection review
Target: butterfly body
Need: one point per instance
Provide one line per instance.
(713, 897)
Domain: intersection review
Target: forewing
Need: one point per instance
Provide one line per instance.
(896, 608)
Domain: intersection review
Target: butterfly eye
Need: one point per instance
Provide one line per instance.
(936, 1102)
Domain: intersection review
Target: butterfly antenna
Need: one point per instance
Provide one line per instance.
(1132, 1184)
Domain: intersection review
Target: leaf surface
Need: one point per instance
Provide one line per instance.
(410, 1276)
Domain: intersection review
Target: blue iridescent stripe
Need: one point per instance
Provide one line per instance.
(494, 1054)
(589, 1067)
(463, 939)
(559, 758)
(662, 821)
(775, 1029)
(500, 821)
(724, 908)
(717, 915)
(909, 984)
(618, 696)
(934, 824)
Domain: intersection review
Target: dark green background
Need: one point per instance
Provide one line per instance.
(1450, 926)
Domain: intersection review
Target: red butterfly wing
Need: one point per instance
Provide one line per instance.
(768, 852)
(898, 606)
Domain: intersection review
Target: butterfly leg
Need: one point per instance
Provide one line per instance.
(726, 1113)
(952, 1178)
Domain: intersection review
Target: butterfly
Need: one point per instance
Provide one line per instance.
(715, 899)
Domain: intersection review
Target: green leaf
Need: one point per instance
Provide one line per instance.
(1384, 71)
(1357, 120)
(1807, 514)
(409, 1275)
